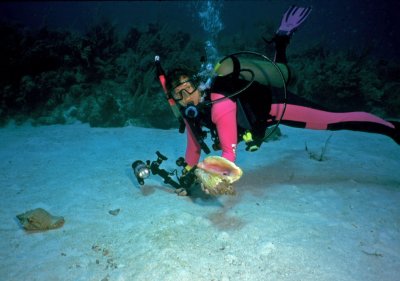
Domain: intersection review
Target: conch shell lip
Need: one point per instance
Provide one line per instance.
(217, 165)
(216, 175)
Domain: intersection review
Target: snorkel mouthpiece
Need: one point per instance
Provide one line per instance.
(191, 111)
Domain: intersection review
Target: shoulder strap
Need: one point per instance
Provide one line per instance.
(236, 67)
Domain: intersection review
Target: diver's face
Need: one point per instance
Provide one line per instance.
(186, 92)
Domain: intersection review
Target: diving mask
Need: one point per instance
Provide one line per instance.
(187, 87)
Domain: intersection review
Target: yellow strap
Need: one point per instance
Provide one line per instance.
(216, 67)
(247, 137)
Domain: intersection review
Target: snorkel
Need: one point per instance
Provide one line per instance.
(163, 81)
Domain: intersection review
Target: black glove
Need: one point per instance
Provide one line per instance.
(188, 177)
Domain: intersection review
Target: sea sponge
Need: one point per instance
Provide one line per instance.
(39, 219)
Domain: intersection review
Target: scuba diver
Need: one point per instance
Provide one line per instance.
(240, 103)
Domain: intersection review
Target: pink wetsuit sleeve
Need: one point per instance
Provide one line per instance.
(193, 149)
(223, 114)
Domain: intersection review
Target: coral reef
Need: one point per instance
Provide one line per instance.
(348, 81)
(107, 78)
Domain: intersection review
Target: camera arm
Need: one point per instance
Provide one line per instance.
(142, 171)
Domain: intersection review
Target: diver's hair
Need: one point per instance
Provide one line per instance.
(174, 76)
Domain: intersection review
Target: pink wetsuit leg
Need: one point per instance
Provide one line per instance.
(319, 119)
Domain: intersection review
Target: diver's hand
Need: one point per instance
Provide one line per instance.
(181, 191)
(184, 182)
(188, 177)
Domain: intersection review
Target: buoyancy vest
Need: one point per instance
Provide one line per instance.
(253, 104)
(253, 108)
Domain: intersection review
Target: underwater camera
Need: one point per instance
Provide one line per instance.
(142, 171)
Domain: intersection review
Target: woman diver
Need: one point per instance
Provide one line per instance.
(240, 105)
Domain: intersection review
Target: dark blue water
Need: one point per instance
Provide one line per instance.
(51, 72)
(338, 24)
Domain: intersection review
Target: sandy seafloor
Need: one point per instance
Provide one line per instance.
(293, 218)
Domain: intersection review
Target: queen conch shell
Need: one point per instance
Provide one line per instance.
(216, 175)
(39, 219)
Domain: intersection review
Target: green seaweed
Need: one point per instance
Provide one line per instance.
(318, 156)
